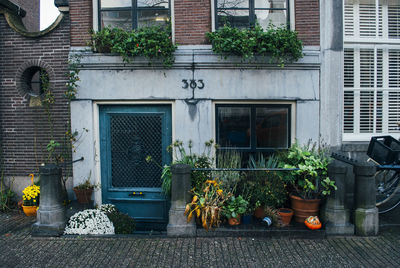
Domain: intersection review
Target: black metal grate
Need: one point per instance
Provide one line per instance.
(133, 137)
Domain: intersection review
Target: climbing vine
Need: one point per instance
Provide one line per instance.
(72, 77)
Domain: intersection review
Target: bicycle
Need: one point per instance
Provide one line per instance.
(384, 152)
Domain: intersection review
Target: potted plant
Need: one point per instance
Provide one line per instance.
(286, 215)
(268, 189)
(31, 198)
(234, 208)
(207, 204)
(310, 182)
(83, 191)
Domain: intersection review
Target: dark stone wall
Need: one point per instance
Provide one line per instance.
(24, 129)
(32, 18)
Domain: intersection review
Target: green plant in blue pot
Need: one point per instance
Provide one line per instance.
(234, 208)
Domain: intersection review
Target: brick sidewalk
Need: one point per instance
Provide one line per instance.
(19, 249)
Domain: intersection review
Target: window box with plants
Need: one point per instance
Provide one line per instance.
(153, 42)
(280, 44)
(310, 182)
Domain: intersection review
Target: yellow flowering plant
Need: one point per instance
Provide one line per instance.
(207, 204)
(31, 195)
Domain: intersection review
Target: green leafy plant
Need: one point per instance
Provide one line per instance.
(87, 185)
(181, 156)
(228, 159)
(123, 223)
(264, 188)
(47, 99)
(73, 77)
(6, 196)
(311, 179)
(151, 42)
(203, 160)
(235, 206)
(51, 147)
(279, 43)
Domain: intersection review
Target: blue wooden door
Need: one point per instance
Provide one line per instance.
(128, 134)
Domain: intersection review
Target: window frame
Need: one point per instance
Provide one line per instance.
(252, 10)
(355, 42)
(253, 140)
(134, 11)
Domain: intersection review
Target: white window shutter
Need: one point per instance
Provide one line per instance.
(394, 68)
(371, 68)
(349, 20)
(367, 17)
(394, 20)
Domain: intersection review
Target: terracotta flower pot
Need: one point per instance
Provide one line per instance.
(303, 208)
(29, 210)
(259, 213)
(234, 221)
(286, 215)
(83, 196)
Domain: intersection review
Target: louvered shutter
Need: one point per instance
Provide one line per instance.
(349, 19)
(394, 20)
(371, 95)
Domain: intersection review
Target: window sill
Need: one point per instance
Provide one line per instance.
(202, 56)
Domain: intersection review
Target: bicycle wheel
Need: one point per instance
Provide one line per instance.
(387, 186)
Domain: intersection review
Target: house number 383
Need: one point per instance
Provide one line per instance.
(193, 83)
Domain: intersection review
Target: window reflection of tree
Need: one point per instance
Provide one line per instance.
(152, 3)
(232, 3)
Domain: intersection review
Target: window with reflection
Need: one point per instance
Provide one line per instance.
(247, 13)
(256, 128)
(131, 14)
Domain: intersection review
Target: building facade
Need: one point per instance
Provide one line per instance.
(132, 110)
(343, 91)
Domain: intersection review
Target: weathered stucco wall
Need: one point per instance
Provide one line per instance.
(108, 80)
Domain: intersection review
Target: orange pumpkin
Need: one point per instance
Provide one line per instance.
(313, 223)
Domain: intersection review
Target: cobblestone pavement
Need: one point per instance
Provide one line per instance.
(19, 249)
(14, 221)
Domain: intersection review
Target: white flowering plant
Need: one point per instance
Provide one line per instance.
(89, 221)
(107, 208)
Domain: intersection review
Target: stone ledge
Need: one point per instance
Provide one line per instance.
(187, 58)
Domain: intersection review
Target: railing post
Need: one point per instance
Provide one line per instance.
(180, 196)
(337, 217)
(51, 213)
(366, 214)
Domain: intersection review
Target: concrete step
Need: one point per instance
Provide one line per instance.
(259, 229)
